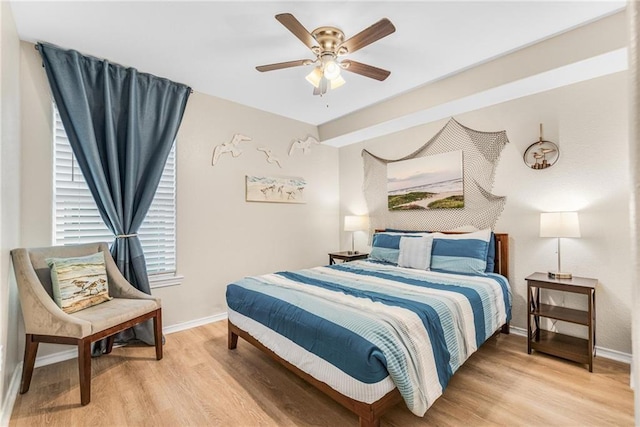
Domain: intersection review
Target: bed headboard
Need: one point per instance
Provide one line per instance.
(502, 251)
(502, 254)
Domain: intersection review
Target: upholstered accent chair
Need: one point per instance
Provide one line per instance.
(46, 322)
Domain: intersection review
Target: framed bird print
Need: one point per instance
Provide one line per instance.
(275, 189)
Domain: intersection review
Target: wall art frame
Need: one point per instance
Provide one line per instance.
(426, 183)
(271, 189)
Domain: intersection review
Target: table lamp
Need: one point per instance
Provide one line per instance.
(355, 223)
(558, 225)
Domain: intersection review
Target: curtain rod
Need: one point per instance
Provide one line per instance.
(36, 47)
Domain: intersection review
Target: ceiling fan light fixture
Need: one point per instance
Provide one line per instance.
(337, 82)
(315, 76)
(331, 69)
(327, 44)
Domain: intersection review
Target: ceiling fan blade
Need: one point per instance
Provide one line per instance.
(322, 88)
(298, 30)
(281, 65)
(380, 29)
(365, 70)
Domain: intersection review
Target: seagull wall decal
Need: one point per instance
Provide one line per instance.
(229, 147)
(270, 156)
(303, 144)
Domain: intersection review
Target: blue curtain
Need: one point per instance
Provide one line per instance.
(121, 125)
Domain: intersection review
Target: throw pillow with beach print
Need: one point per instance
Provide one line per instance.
(80, 282)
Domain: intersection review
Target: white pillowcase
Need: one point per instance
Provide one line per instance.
(415, 252)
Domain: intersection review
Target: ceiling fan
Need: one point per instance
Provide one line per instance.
(327, 44)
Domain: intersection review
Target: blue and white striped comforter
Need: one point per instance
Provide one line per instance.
(364, 328)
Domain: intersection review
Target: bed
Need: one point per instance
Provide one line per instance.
(371, 334)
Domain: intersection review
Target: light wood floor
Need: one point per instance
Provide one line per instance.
(200, 382)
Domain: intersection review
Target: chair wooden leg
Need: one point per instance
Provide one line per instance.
(110, 341)
(157, 331)
(84, 365)
(30, 351)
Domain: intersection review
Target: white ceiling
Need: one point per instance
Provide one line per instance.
(214, 46)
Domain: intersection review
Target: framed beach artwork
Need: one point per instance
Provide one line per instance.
(425, 183)
(275, 189)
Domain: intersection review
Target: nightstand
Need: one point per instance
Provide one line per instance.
(346, 256)
(566, 346)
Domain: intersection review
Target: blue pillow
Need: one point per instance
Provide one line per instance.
(385, 248)
(461, 253)
(491, 254)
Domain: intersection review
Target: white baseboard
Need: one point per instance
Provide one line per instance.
(61, 356)
(517, 331)
(10, 397)
(616, 355)
(194, 323)
(607, 353)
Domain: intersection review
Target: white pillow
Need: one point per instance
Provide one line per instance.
(415, 252)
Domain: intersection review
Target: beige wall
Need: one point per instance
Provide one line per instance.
(221, 237)
(9, 191)
(589, 122)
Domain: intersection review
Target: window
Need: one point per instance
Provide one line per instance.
(77, 219)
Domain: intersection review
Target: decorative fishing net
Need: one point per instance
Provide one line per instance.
(481, 151)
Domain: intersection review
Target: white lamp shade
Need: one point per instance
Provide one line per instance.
(559, 224)
(314, 76)
(337, 82)
(355, 223)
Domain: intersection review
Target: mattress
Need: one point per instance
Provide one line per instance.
(365, 328)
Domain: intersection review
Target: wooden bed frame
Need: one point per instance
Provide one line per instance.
(369, 413)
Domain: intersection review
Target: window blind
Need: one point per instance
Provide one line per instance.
(77, 219)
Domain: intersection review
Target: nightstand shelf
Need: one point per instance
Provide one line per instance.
(581, 350)
(580, 317)
(561, 345)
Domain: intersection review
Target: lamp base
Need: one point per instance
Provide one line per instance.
(560, 275)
